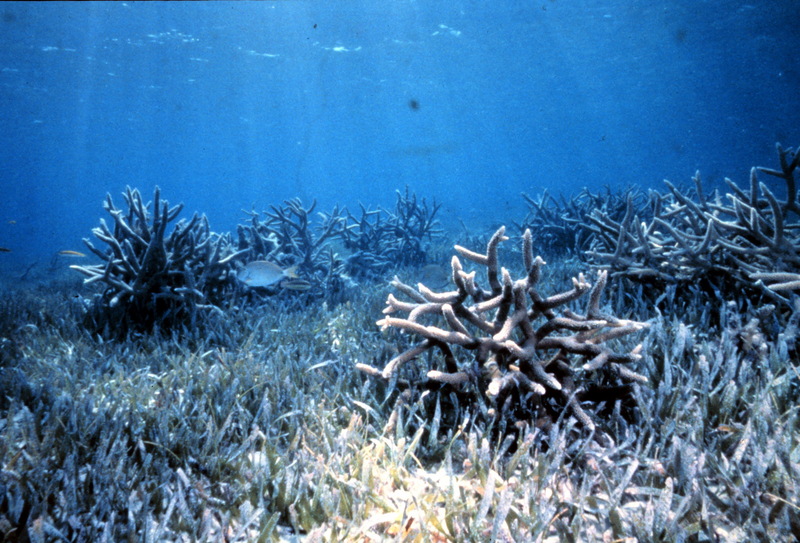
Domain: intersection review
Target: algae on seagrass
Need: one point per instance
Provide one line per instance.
(152, 440)
(153, 278)
(524, 349)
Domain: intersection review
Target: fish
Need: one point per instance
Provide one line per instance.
(68, 252)
(434, 276)
(5, 250)
(262, 273)
(300, 285)
(12, 222)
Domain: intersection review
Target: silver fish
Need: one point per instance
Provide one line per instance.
(262, 273)
(300, 285)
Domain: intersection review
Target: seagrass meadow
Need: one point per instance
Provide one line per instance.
(400, 271)
(578, 402)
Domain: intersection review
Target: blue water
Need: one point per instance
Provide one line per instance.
(231, 106)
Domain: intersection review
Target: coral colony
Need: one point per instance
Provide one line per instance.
(522, 344)
(201, 386)
(152, 278)
(747, 240)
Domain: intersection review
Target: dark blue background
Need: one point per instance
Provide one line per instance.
(233, 105)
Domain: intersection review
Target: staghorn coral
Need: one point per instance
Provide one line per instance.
(288, 237)
(370, 244)
(153, 278)
(381, 239)
(367, 237)
(558, 222)
(297, 240)
(412, 222)
(523, 347)
(749, 243)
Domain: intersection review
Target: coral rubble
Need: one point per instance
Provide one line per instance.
(524, 342)
(153, 278)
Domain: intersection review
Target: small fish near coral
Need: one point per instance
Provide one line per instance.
(300, 285)
(434, 276)
(262, 273)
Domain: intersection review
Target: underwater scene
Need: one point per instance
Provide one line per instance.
(403, 271)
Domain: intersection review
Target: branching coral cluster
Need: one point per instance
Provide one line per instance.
(412, 222)
(155, 278)
(380, 239)
(288, 236)
(523, 347)
(151, 277)
(557, 222)
(373, 242)
(748, 240)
